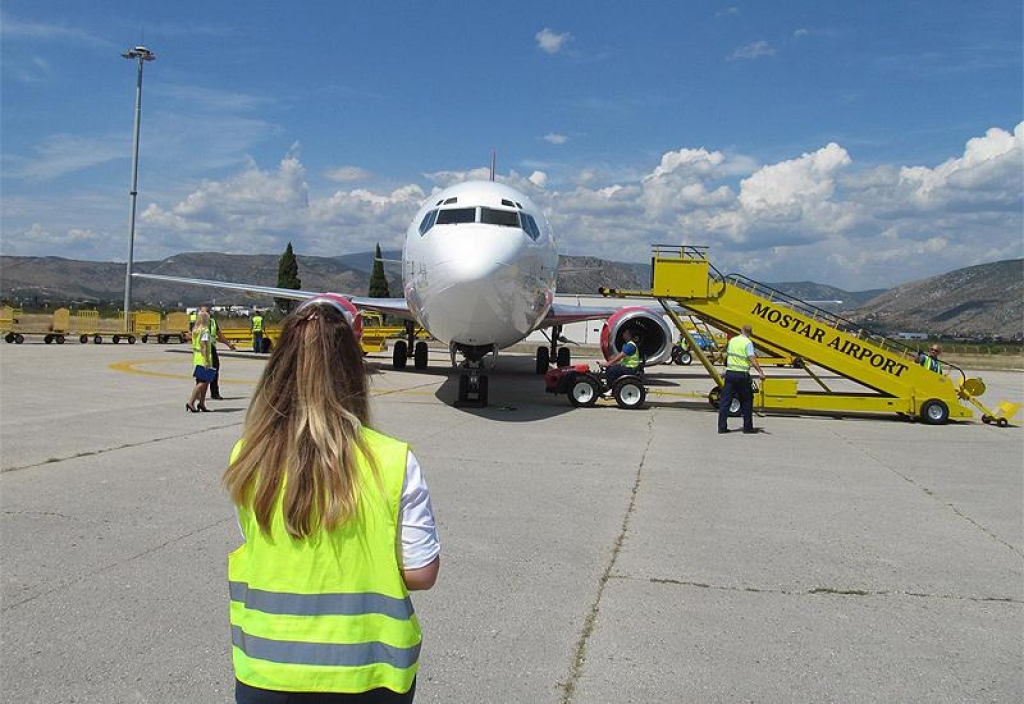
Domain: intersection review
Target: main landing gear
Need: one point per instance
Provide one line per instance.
(400, 350)
(561, 355)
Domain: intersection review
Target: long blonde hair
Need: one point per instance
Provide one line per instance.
(303, 429)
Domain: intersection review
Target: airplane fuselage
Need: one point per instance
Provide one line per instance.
(479, 265)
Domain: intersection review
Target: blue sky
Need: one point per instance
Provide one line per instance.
(857, 144)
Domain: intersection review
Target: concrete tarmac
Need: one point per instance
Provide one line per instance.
(591, 555)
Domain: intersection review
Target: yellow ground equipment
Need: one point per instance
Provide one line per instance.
(894, 381)
(174, 328)
(86, 325)
(13, 331)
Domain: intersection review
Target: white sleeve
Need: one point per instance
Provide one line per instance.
(418, 534)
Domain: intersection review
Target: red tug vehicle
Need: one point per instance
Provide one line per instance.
(583, 387)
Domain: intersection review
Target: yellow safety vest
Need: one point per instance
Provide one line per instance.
(736, 359)
(197, 347)
(329, 613)
(257, 323)
(929, 362)
(192, 318)
(632, 361)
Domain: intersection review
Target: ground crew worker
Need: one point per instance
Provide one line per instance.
(930, 360)
(739, 358)
(338, 529)
(216, 334)
(627, 361)
(257, 331)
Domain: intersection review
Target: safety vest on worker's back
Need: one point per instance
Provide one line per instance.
(214, 332)
(192, 319)
(631, 361)
(257, 323)
(329, 613)
(929, 362)
(736, 359)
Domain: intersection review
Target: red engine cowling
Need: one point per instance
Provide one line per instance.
(650, 332)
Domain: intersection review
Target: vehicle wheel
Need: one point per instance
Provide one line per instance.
(798, 363)
(482, 388)
(543, 360)
(97, 339)
(420, 355)
(1002, 422)
(564, 358)
(583, 392)
(9, 338)
(145, 339)
(60, 339)
(117, 338)
(19, 338)
(734, 406)
(934, 412)
(48, 339)
(629, 393)
(399, 355)
(131, 339)
(684, 358)
(986, 419)
(83, 339)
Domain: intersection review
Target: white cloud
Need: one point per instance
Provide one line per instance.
(551, 42)
(754, 50)
(816, 216)
(347, 174)
(801, 33)
(14, 28)
(62, 154)
(555, 138)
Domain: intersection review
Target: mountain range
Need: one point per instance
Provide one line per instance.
(986, 300)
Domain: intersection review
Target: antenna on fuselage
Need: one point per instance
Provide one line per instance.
(494, 162)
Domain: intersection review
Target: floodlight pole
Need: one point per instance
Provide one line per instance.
(142, 54)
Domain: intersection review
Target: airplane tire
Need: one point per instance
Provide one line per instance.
(463, 388)
(420, 355)
(543, 360)
(399, 354)
(629, 393)
(481, 391)
(934, 412)
(564, 357)
(583, 392)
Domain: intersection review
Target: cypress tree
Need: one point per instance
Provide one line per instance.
(378, 281)
(287, 277)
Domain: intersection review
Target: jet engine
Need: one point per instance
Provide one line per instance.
(650, 332)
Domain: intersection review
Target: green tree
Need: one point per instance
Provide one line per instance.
(287, 277)
(378, 281)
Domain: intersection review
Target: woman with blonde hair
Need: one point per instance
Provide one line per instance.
(202, 356)
(338, 528)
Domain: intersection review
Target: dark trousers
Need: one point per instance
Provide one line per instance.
(244, 694)
(736, 385)
(215, 361)
(257, 341)
(616, 372)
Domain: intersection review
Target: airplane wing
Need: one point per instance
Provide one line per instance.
(397, 307)
(562, 314)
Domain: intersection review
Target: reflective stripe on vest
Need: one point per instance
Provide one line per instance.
(736, 359)
(329, 613)
(631, 361)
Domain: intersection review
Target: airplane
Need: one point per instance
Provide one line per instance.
(479, 266)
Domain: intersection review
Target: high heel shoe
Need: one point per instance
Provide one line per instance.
(190, 409)
(204, 409)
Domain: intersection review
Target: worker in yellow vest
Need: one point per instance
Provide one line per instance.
(739, 358)
(338, 528)
(216, 335)
(930, 360)
(257, 331)
(626, 361)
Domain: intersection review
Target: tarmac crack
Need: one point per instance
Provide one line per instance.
(580, 652)
(822, 591)
(126, 446)
(107, 568)
(932, 494)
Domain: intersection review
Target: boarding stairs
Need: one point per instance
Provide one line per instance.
(892, 378)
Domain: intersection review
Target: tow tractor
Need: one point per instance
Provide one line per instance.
(584, 386)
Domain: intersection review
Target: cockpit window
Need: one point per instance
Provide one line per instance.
(456, 216)
(530, 227)
(506, 218)
(428, 222)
